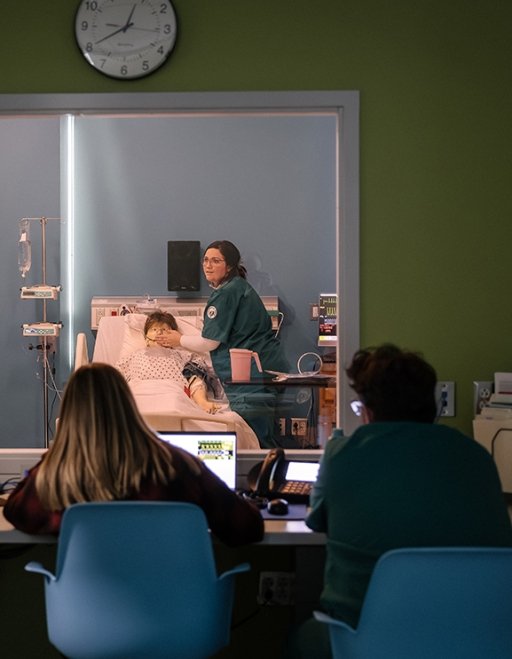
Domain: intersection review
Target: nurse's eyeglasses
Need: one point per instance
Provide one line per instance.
(357, 407)
(213, 261)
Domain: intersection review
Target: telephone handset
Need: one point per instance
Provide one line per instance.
(279, 477)
(271, 472)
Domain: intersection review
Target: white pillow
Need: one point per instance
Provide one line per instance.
(133, 335)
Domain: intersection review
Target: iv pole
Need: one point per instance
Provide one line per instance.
(44, 222)
(43, 292)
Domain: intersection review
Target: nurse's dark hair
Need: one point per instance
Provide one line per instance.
(233, 259)
(394, 384)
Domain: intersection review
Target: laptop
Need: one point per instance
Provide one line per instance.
(215, 448)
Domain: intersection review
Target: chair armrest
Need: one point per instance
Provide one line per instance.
(34, 566)
(243, 567)
(323, 617)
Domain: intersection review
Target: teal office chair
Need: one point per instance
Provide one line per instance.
(136, 580)
(432, 603)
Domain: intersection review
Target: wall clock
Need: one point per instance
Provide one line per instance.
(126, 39)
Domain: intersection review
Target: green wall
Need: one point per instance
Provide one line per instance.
(436, 108)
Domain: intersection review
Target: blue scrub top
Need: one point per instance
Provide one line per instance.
(236, 316)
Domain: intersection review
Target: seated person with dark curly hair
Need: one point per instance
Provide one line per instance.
(399, 480)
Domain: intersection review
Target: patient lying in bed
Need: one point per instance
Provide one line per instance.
(163, 401)
(154, 362)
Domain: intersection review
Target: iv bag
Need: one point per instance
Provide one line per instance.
(24, 248)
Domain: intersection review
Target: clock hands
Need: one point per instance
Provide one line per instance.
(135, 27)
(121, 29)
(124, 28)
(146, 29)
(128, 22)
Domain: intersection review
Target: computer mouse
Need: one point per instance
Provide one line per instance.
(277, 507)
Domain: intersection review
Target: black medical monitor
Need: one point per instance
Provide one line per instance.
(327, 320)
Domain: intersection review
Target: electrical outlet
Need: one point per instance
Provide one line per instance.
(445, 398)
(299, 427)
(482, 390)
(276, 588)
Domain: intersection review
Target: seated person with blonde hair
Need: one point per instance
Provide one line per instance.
(104, 451)
(157, 362)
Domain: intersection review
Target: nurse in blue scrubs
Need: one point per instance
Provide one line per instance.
(235, 317)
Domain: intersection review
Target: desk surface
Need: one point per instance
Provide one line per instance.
(277, 532)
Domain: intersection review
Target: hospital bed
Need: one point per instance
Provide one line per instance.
(163, 403)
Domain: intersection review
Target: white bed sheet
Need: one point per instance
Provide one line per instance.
(163, 403)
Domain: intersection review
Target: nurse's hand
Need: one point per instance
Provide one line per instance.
(169, 339)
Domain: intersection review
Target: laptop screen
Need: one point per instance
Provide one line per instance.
(216, 449)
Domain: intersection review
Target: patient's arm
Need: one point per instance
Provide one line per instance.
(198, 395)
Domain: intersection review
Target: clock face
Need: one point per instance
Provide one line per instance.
(126, 38)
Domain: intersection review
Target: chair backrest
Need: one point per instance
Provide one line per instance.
(143, 570)
(453, 603)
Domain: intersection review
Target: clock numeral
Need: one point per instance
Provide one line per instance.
(163, 8)
(145, 65)
(160, 50)
(84, 25)
(88, 47)
(91, 6)
(124, 70)
(167, 29)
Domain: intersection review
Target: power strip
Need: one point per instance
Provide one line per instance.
(276, 588)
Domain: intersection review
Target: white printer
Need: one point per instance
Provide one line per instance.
(492, 428)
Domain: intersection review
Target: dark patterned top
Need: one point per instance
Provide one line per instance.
(231, 519)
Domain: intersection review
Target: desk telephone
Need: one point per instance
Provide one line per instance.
(279, 477)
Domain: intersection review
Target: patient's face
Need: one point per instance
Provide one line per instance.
(155, 331)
